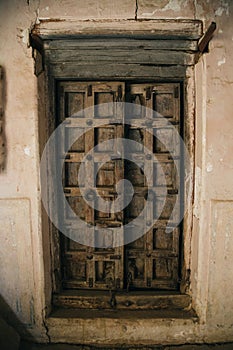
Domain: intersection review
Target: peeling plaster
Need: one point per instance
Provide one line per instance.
(209, 167)
(223, 8)
(198, 9)
(174, 5)
(27, 150)
(223, 61)
(23, 36)
(209, 9)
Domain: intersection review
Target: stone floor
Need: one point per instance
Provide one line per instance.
(30, 346)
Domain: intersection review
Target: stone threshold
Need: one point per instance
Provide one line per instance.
(110, 327)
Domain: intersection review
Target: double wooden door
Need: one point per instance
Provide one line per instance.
(151, 261)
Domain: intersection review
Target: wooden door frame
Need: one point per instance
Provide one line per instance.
(163, 68)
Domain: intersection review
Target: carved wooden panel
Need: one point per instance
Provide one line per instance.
(150, 262)
(89, 267)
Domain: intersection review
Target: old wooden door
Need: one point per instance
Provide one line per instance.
(152, 261)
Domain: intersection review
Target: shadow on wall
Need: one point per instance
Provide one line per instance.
(10, 328)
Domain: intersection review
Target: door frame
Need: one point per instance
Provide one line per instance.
(48, 72)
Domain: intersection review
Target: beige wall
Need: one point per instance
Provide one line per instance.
(21, 253)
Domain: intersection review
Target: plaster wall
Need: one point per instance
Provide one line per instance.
(21, 260)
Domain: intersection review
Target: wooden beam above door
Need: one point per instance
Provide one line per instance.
(157, 29)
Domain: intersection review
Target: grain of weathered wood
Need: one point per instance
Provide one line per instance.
(140, 56)
(131, 301)
(121, 44)
(116, 70)
(161, 28)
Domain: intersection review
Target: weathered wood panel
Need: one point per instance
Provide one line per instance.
(117, 70)
(140, 56)
(150, 262)
(131, 301)
(122, 43)
(160, 28)
(89, 267)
